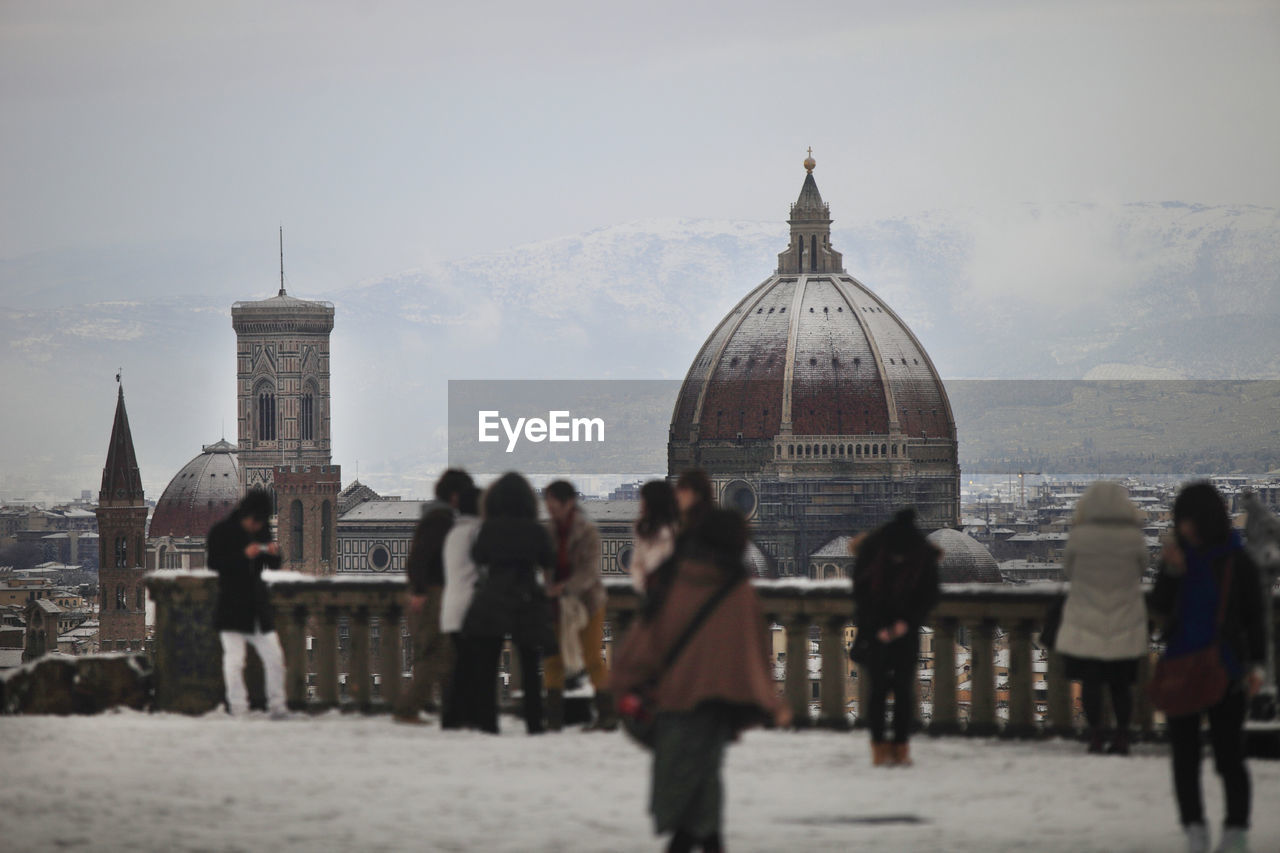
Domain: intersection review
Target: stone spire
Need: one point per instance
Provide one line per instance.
(810, 248)
(121, 481)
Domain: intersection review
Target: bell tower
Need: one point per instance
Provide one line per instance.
(282, 384)
(810, 248)
(122, 554)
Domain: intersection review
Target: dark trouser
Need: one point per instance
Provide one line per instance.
(1226, 734)
(893, 667)
(487, 654)
(1118, 683)
(473, 687)
(431, 656)
(687, 795)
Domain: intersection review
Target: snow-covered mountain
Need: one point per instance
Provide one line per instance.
(1158, 290)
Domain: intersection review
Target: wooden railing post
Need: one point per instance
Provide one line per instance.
(834, 662)
(359, 681)
(1060, 716)
(797, 679)
(1021, 682)
(982, 681)
(946, 720)
(327, 656)
(390, 657)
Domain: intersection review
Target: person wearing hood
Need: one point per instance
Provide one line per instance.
(895, 586)
(1209, 592)
(1104, 633)
(239, 547)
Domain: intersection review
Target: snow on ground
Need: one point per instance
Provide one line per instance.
(130, 781)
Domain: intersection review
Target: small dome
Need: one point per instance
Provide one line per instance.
(200, 495)
(964, 559)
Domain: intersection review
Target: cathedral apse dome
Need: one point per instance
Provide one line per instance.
(814, 407)
(200, 495)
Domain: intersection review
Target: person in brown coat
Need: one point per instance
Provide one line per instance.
(719, 684)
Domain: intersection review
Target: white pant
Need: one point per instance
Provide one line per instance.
(267, 645)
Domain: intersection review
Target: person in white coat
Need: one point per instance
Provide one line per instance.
(1104, 630)
(460, 574)
(654, 534)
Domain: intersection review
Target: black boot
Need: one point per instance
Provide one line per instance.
(555, 710)
(1097, 742)
(681, 842)
(606, 712)
(712, 844)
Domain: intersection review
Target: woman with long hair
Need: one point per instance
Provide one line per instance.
(1104, 621)
(895, 585)
(694, 496)
(1209, 592)
(510, 549)
(655, 530)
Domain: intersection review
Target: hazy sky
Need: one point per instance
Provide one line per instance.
(389, 135)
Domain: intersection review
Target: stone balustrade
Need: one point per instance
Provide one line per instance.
(311, 613)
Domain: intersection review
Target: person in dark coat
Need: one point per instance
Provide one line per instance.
(895, 585)
(719, 684)
(512, 549)
(432, 651)
(239, 547)
(1193, 572)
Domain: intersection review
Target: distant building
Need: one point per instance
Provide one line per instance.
(200, 495)
(375, 535)
(282, 384)
(122, 528)
(813, 407)
(307, 514)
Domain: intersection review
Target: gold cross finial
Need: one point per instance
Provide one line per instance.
(809, 162)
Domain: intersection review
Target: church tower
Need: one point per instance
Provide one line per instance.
(122, 544)
(810, 248)
(282, 384)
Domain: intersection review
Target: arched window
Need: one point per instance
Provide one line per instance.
(122, 597)
(813, 253)
(884, 450)
(307, 420)
(140, 599)
(295, 531)
(266, 413)
(857, 450)
(122, 552)
(326, 527)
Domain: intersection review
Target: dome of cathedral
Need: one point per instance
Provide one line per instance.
(964, 559)
(810, 352)
(200, 495)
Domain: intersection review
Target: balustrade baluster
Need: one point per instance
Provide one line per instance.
(358, 680)
(796, 686)
(835, 660)
(390, 656)
(1060, 716)
(327, 656)
(946, 718)
(295, 655)
(982, 681)
(1021, 678)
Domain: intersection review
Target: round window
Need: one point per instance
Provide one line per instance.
(740, 496)
(624, 557)
(380, 558)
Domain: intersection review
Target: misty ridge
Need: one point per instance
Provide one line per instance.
(1120, 291)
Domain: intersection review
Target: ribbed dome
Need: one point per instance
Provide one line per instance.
(964, 559)
(820, 354)
(202, 494)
